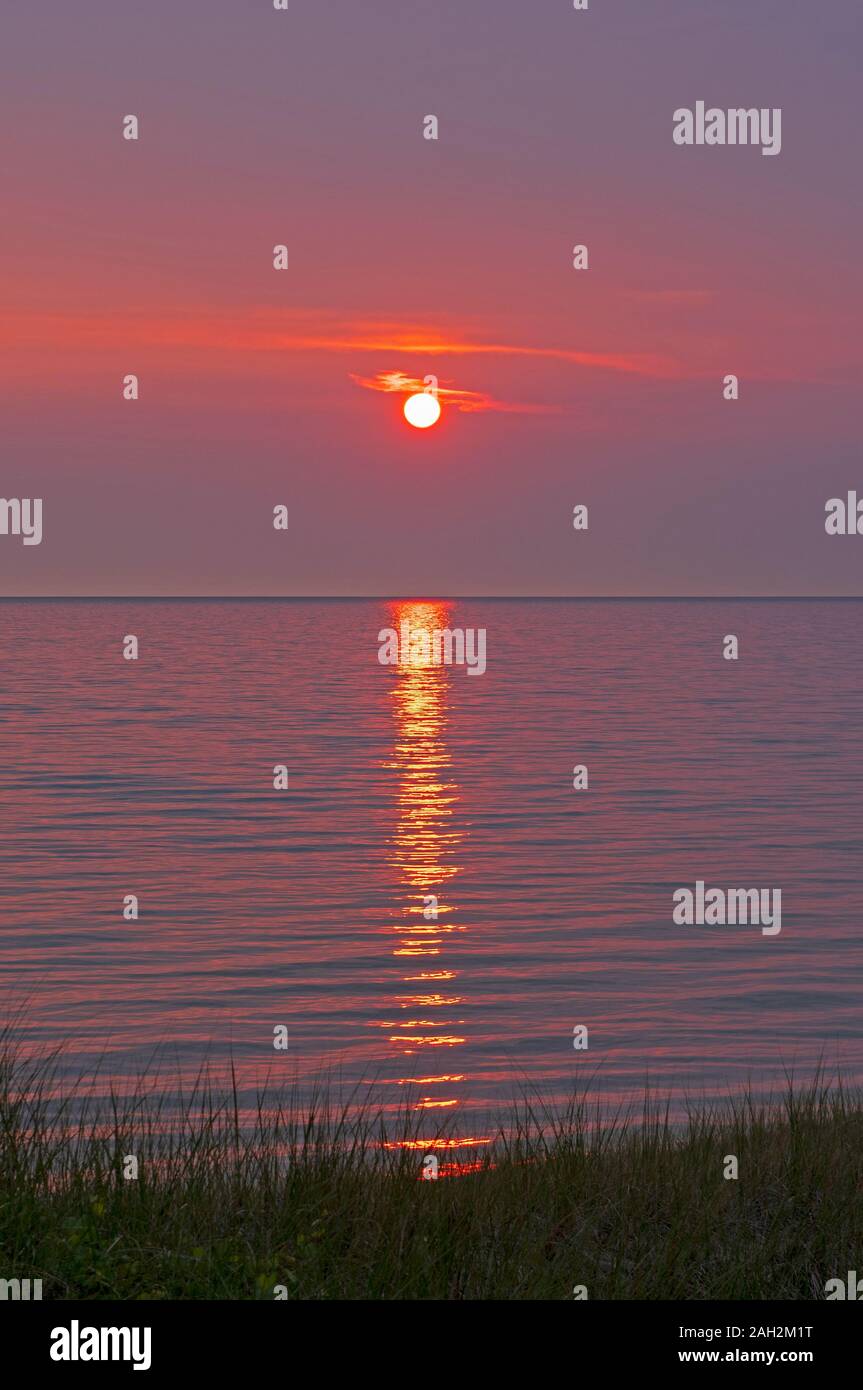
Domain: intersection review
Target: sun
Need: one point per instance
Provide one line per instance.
(422, 410)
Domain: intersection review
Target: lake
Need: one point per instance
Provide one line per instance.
(430, 906)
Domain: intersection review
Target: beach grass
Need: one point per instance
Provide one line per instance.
(309, 1201)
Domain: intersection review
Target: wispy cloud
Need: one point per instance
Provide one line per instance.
(271, 331)
(429, 345)
(457, 397)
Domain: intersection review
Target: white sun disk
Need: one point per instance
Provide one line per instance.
(422, 410)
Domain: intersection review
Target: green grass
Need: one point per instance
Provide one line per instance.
(307, 1198)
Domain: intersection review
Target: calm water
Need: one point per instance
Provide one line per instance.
(305, 907)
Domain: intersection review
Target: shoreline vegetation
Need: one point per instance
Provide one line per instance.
(311, 1201)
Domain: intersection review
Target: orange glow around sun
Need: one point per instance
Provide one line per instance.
(422, 410)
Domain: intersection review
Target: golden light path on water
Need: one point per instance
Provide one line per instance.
(426, 862)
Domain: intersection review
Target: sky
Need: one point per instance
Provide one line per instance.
(407, 257)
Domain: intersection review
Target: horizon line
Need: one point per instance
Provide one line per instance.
(434, 598)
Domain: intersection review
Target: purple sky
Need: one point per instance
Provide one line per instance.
(411, 256)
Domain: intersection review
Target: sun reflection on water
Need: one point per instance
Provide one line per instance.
(426, 859)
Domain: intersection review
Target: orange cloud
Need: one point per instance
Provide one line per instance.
(459, 398)
(267, 331)
(428, 345)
